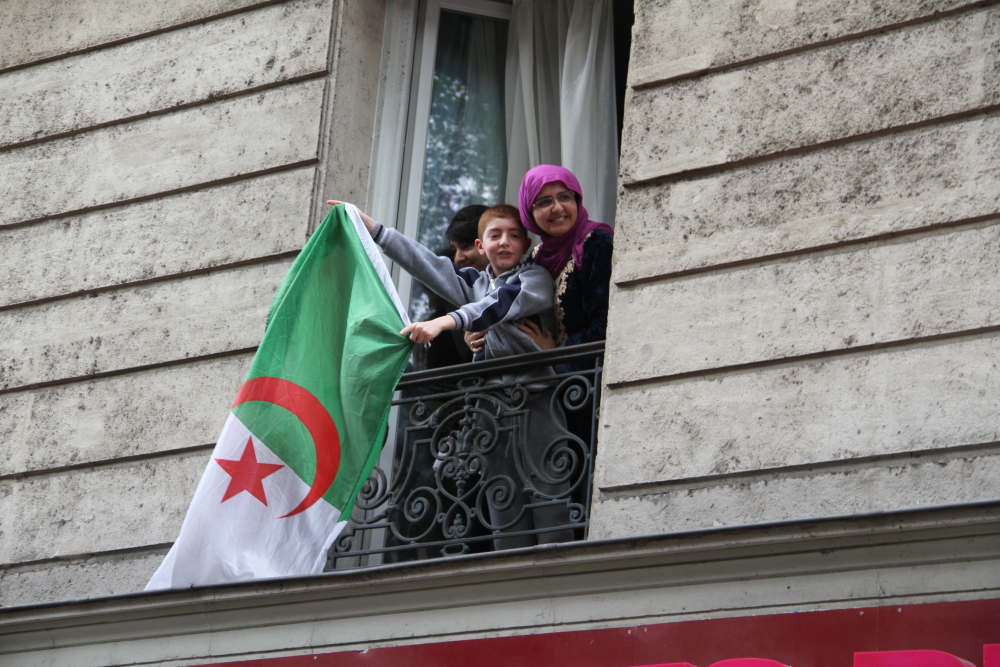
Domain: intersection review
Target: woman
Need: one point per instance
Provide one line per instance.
(576, 251)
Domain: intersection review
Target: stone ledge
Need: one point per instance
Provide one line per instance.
(688, 36)
(898, 79)
(161, 154)
(198, 64)
(45, 29)
(929, 555)
(845, 194)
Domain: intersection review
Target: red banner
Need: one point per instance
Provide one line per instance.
(947, 634)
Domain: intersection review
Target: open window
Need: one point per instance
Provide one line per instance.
(466, 105)
(475, 92)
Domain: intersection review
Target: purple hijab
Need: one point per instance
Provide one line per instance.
(554, 251)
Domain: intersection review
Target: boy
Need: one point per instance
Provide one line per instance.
(462, 232)
(494, 299)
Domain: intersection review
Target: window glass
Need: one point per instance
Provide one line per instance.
(466, 156)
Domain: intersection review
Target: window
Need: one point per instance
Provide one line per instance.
(464, 113)
(458, 147)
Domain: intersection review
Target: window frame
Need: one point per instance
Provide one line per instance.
(397, 170)
(406, 73)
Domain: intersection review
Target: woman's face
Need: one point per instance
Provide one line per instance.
(555, 209)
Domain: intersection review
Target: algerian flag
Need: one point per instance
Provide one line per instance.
(308, 424)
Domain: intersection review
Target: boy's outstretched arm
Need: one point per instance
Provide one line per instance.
(437, 272)
(425, 332)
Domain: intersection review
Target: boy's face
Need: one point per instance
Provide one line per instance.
(467, 256)
(504, 242)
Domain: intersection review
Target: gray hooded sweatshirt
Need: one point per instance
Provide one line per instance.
(486, 303)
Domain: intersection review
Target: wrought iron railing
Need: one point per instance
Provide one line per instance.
(485, 456)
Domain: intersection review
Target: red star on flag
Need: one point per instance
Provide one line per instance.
(247, 475)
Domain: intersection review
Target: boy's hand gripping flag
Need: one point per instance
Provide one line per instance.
(308, 424)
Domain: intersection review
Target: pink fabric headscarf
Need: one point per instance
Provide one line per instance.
(554, 251)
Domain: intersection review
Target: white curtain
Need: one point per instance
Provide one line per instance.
(465, 155)
(560, 96)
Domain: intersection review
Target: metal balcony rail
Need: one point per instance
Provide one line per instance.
(484, 457)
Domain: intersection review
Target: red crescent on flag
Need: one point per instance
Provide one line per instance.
(301, 403)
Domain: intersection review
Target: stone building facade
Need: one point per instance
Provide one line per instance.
(803, 332)
(805, 309)
(161, 164)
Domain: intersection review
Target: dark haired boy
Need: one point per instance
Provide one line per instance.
(462, 232)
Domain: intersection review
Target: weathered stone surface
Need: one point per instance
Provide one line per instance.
(160, 154)
(123, 415)
(890, 291)
(891, 184)
(676, 37)
(351, 113)
(189, 231)
(905, 76)
(932, 396)
(105, 508)
(79, 578)
(913, 482)
(163, 321)
(183, 66)
(35, 29)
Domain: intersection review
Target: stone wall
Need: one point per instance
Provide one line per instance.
(161, 163)
(805, 314)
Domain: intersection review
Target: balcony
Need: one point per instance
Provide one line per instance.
(481, 457)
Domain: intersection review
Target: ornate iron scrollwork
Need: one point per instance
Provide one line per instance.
(482, 461)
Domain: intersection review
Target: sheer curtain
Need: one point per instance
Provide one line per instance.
(465, 157)
(560, 96)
